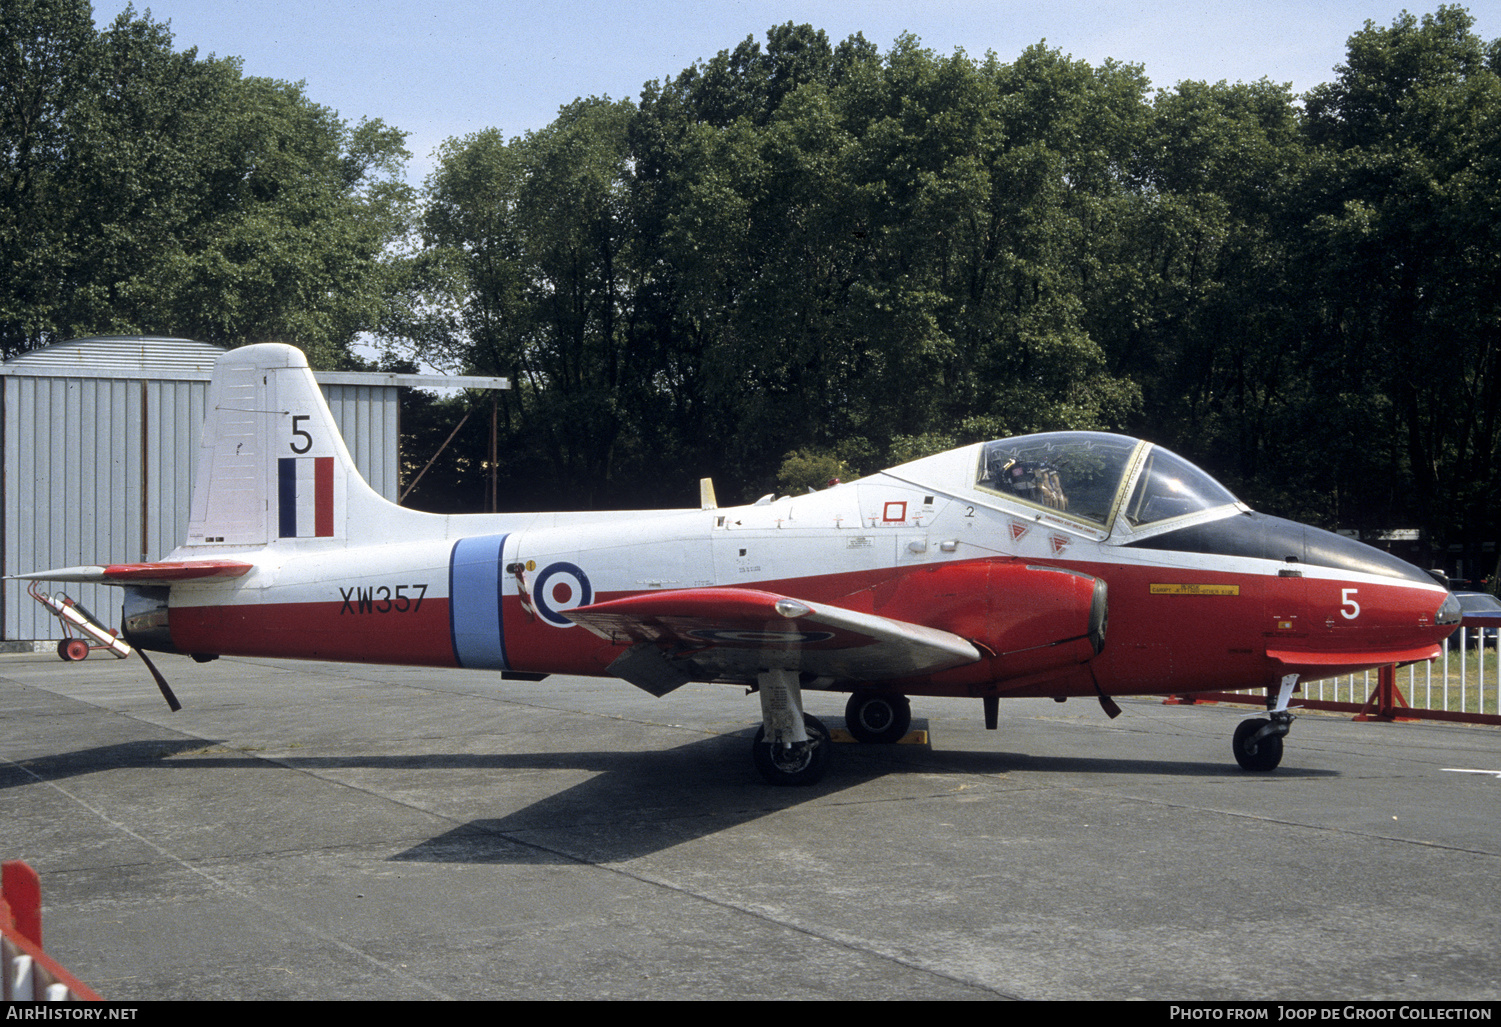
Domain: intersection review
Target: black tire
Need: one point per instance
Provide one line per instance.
(805, 766)
(877, 717)
(70, 649)
(1267, 753)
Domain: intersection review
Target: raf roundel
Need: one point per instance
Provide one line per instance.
(561, 586)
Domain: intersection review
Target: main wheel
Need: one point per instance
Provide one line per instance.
(1264, 754)
(800, 765)
(877, 716)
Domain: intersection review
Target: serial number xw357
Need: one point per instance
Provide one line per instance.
(383, 599)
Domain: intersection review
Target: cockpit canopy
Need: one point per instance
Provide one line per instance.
(1104, 480)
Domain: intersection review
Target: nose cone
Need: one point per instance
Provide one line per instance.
(1264, 537)
(1450, 613)
(1326, 549)
(1412, 612)
(1376, 607)
(1355, 605)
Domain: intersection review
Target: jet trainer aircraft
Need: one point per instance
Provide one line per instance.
(986, 571)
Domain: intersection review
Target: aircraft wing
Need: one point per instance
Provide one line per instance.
(161, 573)
(733, 632)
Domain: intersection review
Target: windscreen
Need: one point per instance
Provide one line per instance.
(1170, 486)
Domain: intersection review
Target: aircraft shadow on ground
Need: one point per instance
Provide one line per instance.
(150, 752)
(972, 762)
(648, 802)
(633, 803)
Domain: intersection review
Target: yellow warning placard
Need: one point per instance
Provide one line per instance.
(1195, 589)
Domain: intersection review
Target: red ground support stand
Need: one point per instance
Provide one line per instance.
(29, 974)
(1386, 700)
(1385, 703)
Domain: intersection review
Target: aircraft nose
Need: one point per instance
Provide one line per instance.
(1328, 549)
(1432, 613)
(1265, 537)
(1449, 612)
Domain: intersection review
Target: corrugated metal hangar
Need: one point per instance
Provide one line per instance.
(100, 437)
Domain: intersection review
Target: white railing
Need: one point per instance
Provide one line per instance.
(1466, 678)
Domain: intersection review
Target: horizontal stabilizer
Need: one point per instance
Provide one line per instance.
(163, 573)
(736, 631)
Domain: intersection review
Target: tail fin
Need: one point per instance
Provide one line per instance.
(272, 464)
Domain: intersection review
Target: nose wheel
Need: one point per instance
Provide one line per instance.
(1258, 741)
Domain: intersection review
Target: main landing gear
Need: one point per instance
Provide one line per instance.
(877, 716)
(791, 747)
(795, 763)
(1258, 742)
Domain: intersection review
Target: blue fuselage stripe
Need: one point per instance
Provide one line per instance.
(475, 614)
(286, 497)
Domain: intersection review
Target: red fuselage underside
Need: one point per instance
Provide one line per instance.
(1195, 631)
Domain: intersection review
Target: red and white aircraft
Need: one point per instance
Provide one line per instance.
(985, 571)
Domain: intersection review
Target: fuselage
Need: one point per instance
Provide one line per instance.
(1202, 592)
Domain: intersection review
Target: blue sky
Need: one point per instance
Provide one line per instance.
(445, 68)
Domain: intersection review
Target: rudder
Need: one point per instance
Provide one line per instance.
(272, 465)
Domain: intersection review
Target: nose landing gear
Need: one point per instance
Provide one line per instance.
(1258, 742)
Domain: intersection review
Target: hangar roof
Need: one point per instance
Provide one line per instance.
(119, 356)
(152, 356)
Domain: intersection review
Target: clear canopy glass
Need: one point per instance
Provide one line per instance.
(1084, 475)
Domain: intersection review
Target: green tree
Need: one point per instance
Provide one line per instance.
(150, 190)
(1402, 270)
(843, 251)
(1190, 297)
(527, 271)
(46, 47)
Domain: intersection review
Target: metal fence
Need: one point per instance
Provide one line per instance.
(1462, 684)
(1464, 680)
